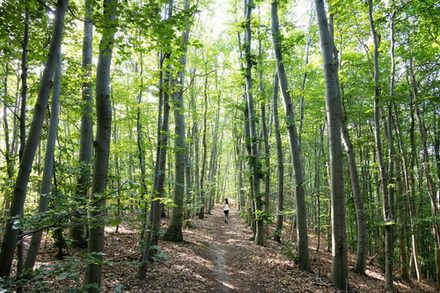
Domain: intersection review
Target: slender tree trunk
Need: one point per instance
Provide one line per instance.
(24, 86)
(426, 169)
(247, 138)
(153, 227)
(408, 167)
(174, 231)
(140, 137)
(46, 182)
(202, 172)
(102, 146)
(196, 141)
(280, 167)
(404, 263)
(304, 79)
(358, 198)
(303, 242)
(213, 161)
(266, 172)
(334, 115)
(21, 183)
(8, 148)
(387, 209)
(318, 184)
(86, 131)
(258, 202)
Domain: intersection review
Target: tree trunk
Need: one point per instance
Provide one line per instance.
(152, 235)
(24, 86)
(266, 171)
(8, 153)
(201, 214)
(408, 167)
(280, 167)
(196, 141)
(334, 115)
(102, 145)
(303, 246)
(86, 131)
(258, 202)
(247, 139)
(387, 210)
(174, 231)
(46, 182)
(304, 79)
(358, 197)
(426, 168)
(21, 183)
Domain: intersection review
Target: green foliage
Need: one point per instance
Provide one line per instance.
(264, 216)
(159, 255)
(289, 250)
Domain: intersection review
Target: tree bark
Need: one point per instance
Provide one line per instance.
(247, 139)
(280, 167)
(426, 169)
(102, 145)
(334, 114)
(86, 131)
(153, 227)
(201, 214)
(21, 183)
(301, 230)
(358, 197)
(266, 171)
(174, 231)
(408, 169)
(8, 153)
(387, 209)
(46, 182)
(24, 86)
(258, 201)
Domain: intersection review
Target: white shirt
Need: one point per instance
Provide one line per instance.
(226, 207)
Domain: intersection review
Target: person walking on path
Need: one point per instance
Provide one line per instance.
(226, 210)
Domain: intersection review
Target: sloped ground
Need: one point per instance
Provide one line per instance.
(216, 257)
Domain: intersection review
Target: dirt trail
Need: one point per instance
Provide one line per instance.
(235, 266)
(219, 249)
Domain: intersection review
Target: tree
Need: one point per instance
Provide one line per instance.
(45, 193)
(86, 133)
(280, 167)
(174, 231)
(387, 206)
(303, 242)
(334, 114)
(21, 182)
(254, 161)
(102, 148)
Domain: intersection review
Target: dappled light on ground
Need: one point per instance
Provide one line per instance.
(215, 257)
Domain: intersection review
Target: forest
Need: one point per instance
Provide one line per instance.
(127, 124)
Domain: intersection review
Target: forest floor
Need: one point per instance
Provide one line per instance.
(215, 257)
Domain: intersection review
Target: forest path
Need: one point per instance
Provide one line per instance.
(229, 251)
(219, 249)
